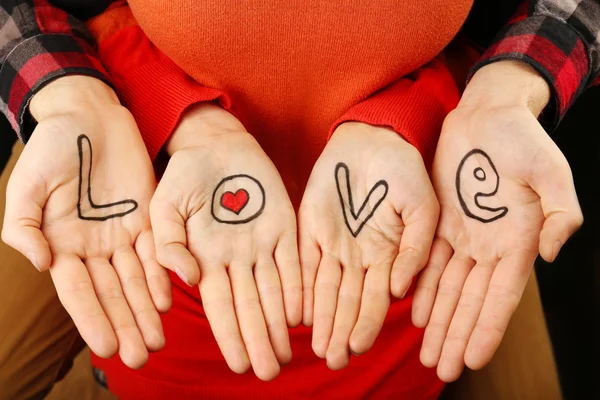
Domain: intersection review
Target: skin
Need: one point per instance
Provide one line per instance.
(348, 281)
(477, 271)
(105, 272)
(249, 275)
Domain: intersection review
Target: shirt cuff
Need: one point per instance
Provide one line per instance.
(554, 50)
(33, 64)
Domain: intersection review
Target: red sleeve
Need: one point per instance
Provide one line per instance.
(154, 89)
(414, 106)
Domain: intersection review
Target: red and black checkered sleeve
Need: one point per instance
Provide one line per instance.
(560, 39)
(39, 43)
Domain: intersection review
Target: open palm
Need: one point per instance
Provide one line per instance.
(222, 218)
(77, 203)
(367, 220)
(506, 193)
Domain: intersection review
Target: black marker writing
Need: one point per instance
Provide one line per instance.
(238, 199)
(477, 173)
(355, 221)
(86, 209)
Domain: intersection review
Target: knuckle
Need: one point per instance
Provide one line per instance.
(349, 299)
(269, 291)
(425, 288)
(125, 326)
(379, 296)
(504, 294)
(276, 326)
(109, 294)
(134, 282)
(248, 304)
(470, 300)
(370, 325)
(447, 289)
(437, 325)
(328, 287)
(456, 337)
(219, 304)
(489, 328)
(143, 311)
(75, 287)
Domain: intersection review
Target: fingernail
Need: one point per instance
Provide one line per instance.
(182, 276)
(556, 249)
(356, 354)
(33, 259)
(404, 294)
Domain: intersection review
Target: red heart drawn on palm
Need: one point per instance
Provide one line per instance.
(235, 202)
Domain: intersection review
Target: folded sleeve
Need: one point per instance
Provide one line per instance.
(560, 39)
(154, 89)
(414, 106)
(39, 43)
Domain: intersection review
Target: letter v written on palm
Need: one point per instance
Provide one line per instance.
(356, 220)
(86, 208)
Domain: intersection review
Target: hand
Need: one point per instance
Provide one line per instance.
(506, 192)
(367, 221)
(77, 204)
(222, 217)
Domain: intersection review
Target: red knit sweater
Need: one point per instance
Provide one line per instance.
(291, 71)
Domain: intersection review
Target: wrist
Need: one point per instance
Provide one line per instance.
(71, 93)
(201, 121)
(507, 84)
(353, 128)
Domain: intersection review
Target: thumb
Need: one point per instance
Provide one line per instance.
(554, 184)
(25, 200)
(170, 238)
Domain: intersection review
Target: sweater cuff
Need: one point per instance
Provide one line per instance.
(152, 87)
(157, 94)
(551, 48)
(415, 107)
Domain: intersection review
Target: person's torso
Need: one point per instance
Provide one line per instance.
(292, 67)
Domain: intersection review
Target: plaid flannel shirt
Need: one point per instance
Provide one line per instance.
(40, 42)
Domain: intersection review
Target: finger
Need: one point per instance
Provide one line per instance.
(217, 301)
(170, 239)
(271, 300)
(415, 245)
(448, 293)
(157, 277)
(288, 265)
(76, 293)
(428, 281)
(346, 315)
(553, 182)
(503, 295)
(558, 227)
(469, 306)
(133, 282)
(252, 322)
(132, 348)
(310, 256)
(25, 200)
(327, 286)
(373, 309)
